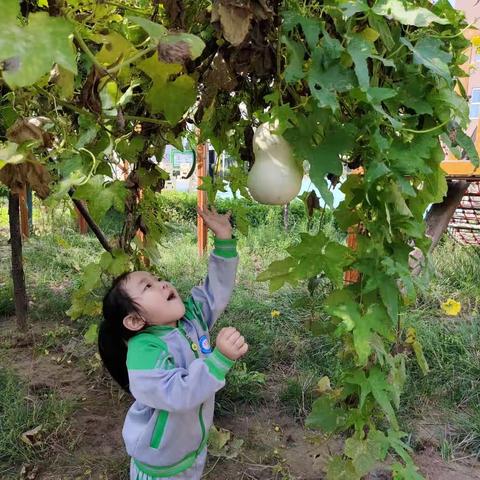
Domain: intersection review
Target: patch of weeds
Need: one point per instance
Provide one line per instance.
(39, 417)
(7, 305)
(242, 386)
(53, 338)
(298, 395)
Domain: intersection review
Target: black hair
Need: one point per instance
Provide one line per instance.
(112, 334)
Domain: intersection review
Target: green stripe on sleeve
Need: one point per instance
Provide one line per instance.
(226, 248)
(218, 364)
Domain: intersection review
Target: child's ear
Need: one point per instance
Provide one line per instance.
(133, 322)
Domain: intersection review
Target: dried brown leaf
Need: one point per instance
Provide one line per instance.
(173, 52)
(234, 20)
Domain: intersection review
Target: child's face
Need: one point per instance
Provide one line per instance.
(159, 301)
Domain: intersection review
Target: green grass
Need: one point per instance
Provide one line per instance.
(456, 274)
(22, 410)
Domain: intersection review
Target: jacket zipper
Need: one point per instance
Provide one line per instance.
(194, 348)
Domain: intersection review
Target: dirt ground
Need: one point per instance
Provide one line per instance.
(275, 446)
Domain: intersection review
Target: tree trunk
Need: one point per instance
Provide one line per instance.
(437, 220)
(18, 276)
(440, 214)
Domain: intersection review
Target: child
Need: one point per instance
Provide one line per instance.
(169, 366)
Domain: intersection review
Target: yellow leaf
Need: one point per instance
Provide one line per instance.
(451, 307)
(275, 313)
(323, 385)
(476, 41)
(411, 335)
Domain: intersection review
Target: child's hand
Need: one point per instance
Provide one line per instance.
(231, 343)
(219, 224)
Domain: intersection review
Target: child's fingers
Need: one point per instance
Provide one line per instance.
(233, 338)
(240, 341)
(226, 332)
(243, 350)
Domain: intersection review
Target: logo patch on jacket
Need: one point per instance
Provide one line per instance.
(205, 344)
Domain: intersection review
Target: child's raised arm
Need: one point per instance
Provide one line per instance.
(215, 293)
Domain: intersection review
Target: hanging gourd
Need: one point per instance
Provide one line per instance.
(275, 178)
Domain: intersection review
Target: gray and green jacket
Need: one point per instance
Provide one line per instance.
(174, 375)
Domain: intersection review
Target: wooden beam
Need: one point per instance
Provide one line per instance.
(202, 156)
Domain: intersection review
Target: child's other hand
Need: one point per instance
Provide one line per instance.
(219, 224)
(231, 343)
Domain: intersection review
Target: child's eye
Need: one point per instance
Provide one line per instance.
(148, 285)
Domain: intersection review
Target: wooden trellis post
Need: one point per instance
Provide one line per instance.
(202, 156)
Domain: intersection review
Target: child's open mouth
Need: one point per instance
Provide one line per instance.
(171, 296)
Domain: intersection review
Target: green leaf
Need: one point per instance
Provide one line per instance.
(401, 448)
(366, 453)
(375, 171)
(26, 58)
(406, 472)
(311, 27)
(154, 30)
(467, 144)
(218, 438)
(379, 24)
(351, 7)
(360, 49)
(340, 468)
(389, 295)
(420, 17)
(448, 104)
(381, 391)
(212, 186)
(326, 158)
(397, 378)
(10, 153)
(376, 385)
(115, 263)
(296, 52)
(278, 273)
(101, 197)
(314, 254)
(341, 304)
(427, 52)
(115, 48)
(325, 80)
(91, 334)
(172, 98)
(239, 214)
(325, 416)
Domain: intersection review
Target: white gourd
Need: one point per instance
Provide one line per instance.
(275, 178)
